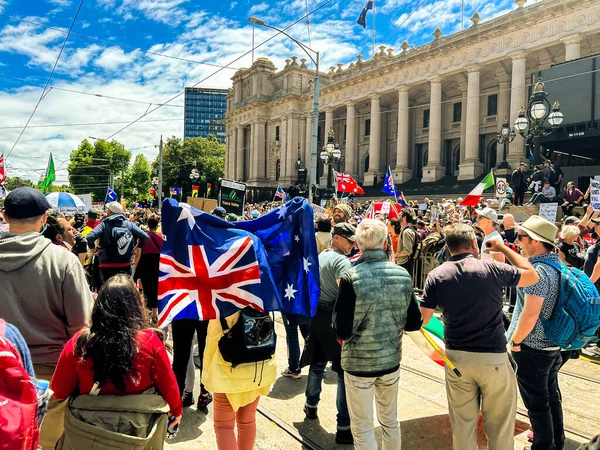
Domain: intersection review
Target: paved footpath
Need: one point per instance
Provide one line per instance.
(422, 409)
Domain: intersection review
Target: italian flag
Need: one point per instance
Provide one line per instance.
(473, 198)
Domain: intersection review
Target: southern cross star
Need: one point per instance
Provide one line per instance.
(282, 211)
(297, 238)
(189, 213)
(306, 264)
(290, 291)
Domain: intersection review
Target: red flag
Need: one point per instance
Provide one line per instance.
(379, 208)
(153, 192)
(2, 171)
(346, 183)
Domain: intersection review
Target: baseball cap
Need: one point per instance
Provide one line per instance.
(25, 202)
(115, 207)
(345, 230)
(219, 211)
(232, 217)
(488, 213)
(255, 214)
(571, 220)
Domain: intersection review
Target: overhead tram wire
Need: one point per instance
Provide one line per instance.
(87, 124)
(219, 70)
(114, 44)
(49, 78)
(404, 21)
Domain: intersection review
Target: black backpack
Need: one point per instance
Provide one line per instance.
(251, 339)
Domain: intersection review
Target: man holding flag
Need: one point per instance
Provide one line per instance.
(388, 184)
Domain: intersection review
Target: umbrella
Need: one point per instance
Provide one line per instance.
(65, 202)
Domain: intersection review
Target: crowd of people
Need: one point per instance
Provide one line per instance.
(88, 322)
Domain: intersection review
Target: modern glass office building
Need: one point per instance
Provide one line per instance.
(204, 110)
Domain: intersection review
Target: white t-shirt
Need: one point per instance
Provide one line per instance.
(493, 235)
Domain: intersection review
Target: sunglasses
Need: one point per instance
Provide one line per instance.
(521, 236)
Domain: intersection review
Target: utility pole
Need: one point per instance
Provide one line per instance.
(160, 173)
(123, 178)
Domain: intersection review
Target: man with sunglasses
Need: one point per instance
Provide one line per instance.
(487, 219)
(538, 359)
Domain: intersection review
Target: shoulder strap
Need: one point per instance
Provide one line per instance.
(154, 240)
(224, 325)
(2, 327)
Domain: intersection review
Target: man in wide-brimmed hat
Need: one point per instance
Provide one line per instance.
(538, 359)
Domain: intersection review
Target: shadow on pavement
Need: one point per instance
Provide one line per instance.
(189, 428)
(287, 388)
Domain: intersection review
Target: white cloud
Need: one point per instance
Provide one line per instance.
(232, 5)
(3, 3)
(114, 57)
(60, 2)
(260, 7)
(84, 25)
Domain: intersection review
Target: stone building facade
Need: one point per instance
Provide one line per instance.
(426, 112)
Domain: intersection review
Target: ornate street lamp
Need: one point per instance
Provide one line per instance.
(331, 153)
(505, 136)
(530, 122)
(194, 176)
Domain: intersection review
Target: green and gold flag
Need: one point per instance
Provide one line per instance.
(46, 183)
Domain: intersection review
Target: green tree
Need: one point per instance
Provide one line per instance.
(138, 177)
(12, 183)
(178, 159)
(93, 165)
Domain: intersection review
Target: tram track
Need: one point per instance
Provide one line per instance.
(520, 412)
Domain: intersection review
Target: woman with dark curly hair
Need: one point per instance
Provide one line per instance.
(117, 355)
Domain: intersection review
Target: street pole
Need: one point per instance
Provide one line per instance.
(160, 173)
(537, 157)
(123, 179)
(315, 131)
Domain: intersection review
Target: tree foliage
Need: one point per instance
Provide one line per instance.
(11, 183)
(179, 156)
(92, 166)
(138, 177)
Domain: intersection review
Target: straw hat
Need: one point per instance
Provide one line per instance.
(539, 229)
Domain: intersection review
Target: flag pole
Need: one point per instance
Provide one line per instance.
(373, 31)
(275, 196)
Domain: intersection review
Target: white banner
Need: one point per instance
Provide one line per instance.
(595, 194)
(318, 211)
(500, 187)
(87, 200)
(548, 211)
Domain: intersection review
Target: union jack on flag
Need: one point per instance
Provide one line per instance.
(207, 271)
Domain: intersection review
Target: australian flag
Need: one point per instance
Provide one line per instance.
(388, 184)
(209, 269)
(362, 19)
(111, 196)
(280, 193)
(287, 234)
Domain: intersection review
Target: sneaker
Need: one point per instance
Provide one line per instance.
(204, 400)
(289, 374)
(344, 437)
(311, 413)
(187, 399)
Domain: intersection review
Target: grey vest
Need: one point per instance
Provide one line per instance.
(383, 293)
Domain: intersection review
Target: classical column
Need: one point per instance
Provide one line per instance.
(471, 167)
(503, 114)
(350, 165)
(402, 172)
(572, 47)
(463, 123)
(434, 170)
(518, 99)
(291, 155)
(328, 123)
(239, 154)
(259, 153)
(374, 171)
(283, 170)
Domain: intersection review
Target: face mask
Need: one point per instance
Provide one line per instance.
(44, 228)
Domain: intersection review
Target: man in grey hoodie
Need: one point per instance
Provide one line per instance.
(43, 291)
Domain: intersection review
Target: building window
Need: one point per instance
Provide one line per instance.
(277, 133)
(492, 109)
(456, 112)
(426, 118)
(368, 127)
(277, 169)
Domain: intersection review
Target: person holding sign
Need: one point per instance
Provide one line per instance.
(548, 195)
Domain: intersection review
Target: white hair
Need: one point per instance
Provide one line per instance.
(371, 234)
(569, 231)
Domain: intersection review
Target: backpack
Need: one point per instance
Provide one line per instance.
(416, 251)
(576, 316)
(119, 243)
(251, 339)
(18, 400)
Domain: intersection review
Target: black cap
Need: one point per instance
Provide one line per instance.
(25, 202)
(219, 212)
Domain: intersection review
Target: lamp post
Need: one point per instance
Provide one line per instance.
(331, 153)
(315, 105)
(505, 136)
(530, 123)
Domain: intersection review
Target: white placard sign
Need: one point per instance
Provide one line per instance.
(385, 208)
(318, 211)
(500, 187)
(548, 211)
(595, 194)
(86, 199)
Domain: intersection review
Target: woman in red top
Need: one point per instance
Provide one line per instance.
(117, 352)
(146, 266)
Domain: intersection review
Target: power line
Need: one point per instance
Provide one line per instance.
(404, 21)
(219, 70)
(85, 124)
(114, 44)
(49, 78)
(88, 93)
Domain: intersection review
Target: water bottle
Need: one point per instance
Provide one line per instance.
(41, 387)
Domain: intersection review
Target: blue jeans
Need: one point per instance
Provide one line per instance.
(313, 393)
(292, 322)
(537, 374)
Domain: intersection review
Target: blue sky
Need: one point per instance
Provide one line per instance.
(108, 55)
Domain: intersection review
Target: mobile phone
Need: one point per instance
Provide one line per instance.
(171, 433)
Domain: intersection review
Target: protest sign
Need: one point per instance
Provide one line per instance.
(500, 187)
(548, 211)
(595, 194)
(319, 211)
(232, 196)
